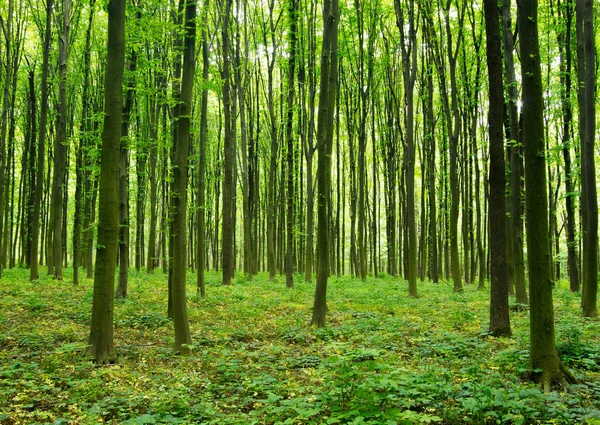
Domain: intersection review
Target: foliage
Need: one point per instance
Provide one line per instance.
(384, 359)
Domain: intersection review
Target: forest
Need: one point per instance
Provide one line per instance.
(299, 212)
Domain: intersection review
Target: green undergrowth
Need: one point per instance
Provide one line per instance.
(384, 358)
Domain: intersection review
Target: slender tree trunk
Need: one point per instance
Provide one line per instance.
(499, 318)
(201, 239)
(83, 143)
(409, 61)
(60, 149)
(228, 154)
(124, 180)
(179, 195)
(39, 186)
(565, 13)
(327, 97)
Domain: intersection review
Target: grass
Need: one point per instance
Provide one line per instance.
(385, 358)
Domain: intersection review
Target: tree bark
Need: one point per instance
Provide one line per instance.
(499, 317)
(543, 354)
(101, 346)
(39, 187)
(179, 194)
(327, 95)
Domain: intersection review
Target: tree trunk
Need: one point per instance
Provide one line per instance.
(289, 134)
(499, 318)
(101, 335)
(201, 239)
(585, 35)
(228, 155)
(39, 186)
(179, 195)
(327, 95)
(83, 143)
(543, 354)
(60, 149)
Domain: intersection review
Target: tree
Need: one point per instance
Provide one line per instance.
(409, 65)
(60, 149)
(83, 142)
(587, 106)
(228, 152)
(289, 266)
(499, 318)
(543, 354)
(328, 87)
(179, 192)
(202, 169)
(101, 334)
(516, 163)
(39, 188)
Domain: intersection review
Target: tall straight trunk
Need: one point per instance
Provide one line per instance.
(308, 144)
(585, 35)
(60, 149)
(565, 13)
(289, 134)
(433, 222)
(499, 317)
(4, 121)
(39, 186)
(274, 145)
(543, 354)
(241, 78)
(101, 346)
(179, 195)
(28, 220)
(409, 62)
(228, 154)
(124, 180)
(201, 239)
(157, 110)
(454, 140)
(83, 143)
(327, 95)
(516, 164)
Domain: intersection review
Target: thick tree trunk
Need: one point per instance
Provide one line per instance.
(543, 354)
(499, 318)
(101, 335)
(585, 14)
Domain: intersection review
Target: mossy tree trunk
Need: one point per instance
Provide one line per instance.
(543, 354)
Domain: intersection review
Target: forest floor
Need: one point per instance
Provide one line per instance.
(384, 358)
